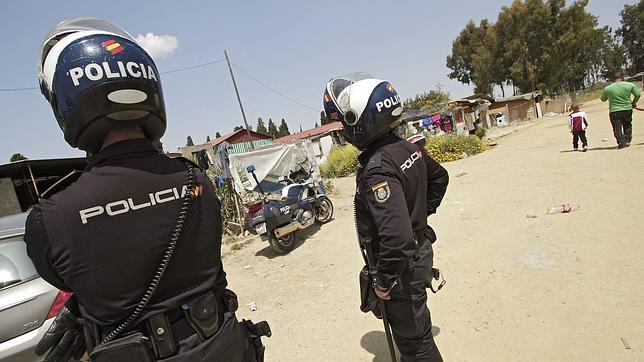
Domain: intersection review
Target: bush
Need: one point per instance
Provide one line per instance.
(451, 147)
(342, 161)
(479, 131)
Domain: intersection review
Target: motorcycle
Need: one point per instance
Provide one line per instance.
(302, 204)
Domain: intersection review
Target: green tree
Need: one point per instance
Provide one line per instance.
(283, 129)
(207, 138)
(433, 101)
(477, 58)
(261, 128)
(613, 57)
(272, 129)
(323, 119)
(463, 49)
(534, 45)
(576, 49)
(632, 34)
(487, 64)
(189, 141)
(217, 135)
(316, 125)
(17, 157)
(524, 35)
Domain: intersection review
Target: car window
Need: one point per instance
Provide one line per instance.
(15, 265)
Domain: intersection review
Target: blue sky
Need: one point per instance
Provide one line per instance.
(292, 46)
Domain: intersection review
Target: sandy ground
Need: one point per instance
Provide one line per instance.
(522, 285)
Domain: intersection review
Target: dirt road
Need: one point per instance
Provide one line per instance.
(522, 285)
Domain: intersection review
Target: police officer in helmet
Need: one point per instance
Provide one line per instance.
(136, 236)
(397, 187)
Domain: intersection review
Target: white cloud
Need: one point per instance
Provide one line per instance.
(158, 46)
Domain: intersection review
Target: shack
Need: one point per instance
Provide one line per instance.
(516, 109)
(471, 110)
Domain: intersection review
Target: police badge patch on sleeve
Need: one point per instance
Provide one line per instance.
(381, 191)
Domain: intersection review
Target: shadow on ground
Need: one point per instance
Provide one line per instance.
(602, 148)
(593, 149)
(375, 342)
(301, 236)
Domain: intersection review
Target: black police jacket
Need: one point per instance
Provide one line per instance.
(397, 186)
(103, 236)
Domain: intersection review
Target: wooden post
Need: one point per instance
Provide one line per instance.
(252, 146)
(33, 180)
(239, 213)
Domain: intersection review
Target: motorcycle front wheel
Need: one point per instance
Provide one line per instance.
(324, 210)
(284, 244)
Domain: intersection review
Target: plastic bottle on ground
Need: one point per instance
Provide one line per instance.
(562, 209)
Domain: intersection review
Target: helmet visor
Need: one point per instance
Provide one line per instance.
(74, 25)
(339, 90)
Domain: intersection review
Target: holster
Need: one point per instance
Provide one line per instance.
(368, 297)
(255, 331)
(430, 234)
(203, 314)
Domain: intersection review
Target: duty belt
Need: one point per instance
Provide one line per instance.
(202, 315)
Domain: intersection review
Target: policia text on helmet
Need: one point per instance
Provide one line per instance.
(96, 77)
(397, 186)
(136, 236)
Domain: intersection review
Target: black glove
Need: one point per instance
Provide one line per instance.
(64, 339)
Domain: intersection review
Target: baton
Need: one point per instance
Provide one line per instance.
(366, 243)
(639, 109)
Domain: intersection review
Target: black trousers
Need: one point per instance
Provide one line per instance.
(408, 314)
(579, 135)
(622, 126)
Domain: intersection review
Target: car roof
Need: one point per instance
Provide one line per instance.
(12, 225)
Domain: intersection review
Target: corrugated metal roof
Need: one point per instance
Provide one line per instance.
(227, 136)
(526, 96)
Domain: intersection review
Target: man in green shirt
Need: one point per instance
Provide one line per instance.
(621, 107)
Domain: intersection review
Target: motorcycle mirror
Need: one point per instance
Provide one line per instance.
(281, 179)
(250, 168)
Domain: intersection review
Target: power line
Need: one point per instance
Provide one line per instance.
(18, 89)
(274, 90)
(183, 69)
(193, 66)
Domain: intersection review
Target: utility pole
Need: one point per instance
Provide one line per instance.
(252, 146)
